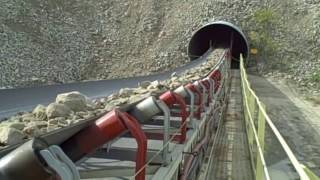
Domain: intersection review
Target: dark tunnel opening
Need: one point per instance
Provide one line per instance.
(219, 34)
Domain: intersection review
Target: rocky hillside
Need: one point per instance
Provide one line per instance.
(56, 41)
(294, 37)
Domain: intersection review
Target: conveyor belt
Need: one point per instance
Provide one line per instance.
(25, 99)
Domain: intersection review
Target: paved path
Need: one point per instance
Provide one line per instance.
(231, 153)
(299, 127)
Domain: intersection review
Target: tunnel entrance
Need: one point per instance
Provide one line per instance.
(219, 34)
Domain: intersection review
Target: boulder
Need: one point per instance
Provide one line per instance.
(28, 117)
(52, 128)
(39, 124)
(135, 98)
(69, 121)
(99, 111)
(154, 85)
(108, 107)
(40, 112)
(80, 114)
(91, 105)
(16, 118)
(74, 100)
(119, 101)
(57, 110)
(53, 121)
(174, 74)
(140, 90)
(112, 97)
(125, 92)
(144, 84)
(89, 115)
(32, 131)
(174, 85)
(175, 78)
(17, 125)
(10, 136)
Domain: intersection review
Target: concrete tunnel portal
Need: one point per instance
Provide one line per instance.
(219, 34)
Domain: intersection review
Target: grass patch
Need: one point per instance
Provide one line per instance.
(316, 77)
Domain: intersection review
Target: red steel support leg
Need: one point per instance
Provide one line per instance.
(208, 89)
(136, 131)
(106, 128)
(171, 98)
(216, 76)
(194, 89)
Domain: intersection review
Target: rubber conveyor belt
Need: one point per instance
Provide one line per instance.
(25, 99)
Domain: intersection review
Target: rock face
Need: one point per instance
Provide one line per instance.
(57, 110)
(10, 136)
(74, 100)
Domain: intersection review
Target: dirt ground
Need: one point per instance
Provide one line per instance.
(297, 119)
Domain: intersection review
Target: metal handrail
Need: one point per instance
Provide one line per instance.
(248, 94)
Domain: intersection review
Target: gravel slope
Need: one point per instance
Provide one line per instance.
(48, 42)
(56, 41)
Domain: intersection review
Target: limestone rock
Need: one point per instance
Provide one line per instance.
(16, 118)
(135, 98)
(69, 121)
(174, 74)
(99, 111)
(125, 92)
(154, 85)
(81, 114)
(40, 112)
(28, 117)
(140, 90)
(175, 84)
(108, 107)
(74, 100)
(112, 97)
(38, 124)
(17, 125)
(32, 131)
(89, 115)
(118, 102)
(57, 110)
(10, 136)
(144, 84)
(52, 128)
(54, 121)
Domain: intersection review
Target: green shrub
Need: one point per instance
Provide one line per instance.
(264, 24)
(316, 76)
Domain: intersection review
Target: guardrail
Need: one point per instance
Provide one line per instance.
(271, 157)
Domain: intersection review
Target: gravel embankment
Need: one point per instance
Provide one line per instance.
(49, 42)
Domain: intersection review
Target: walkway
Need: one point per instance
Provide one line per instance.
(231, 153)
